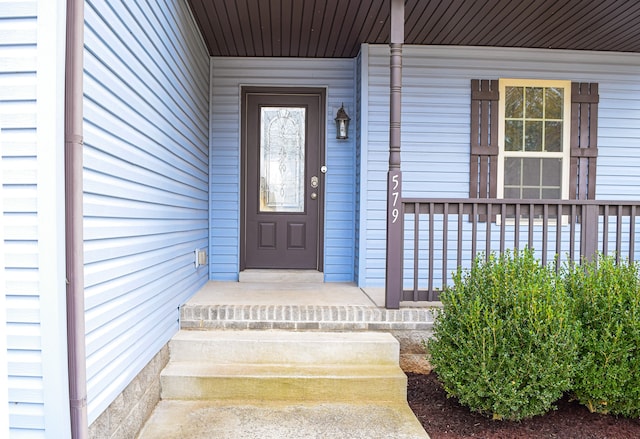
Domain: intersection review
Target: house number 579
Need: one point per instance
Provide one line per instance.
(395, 194)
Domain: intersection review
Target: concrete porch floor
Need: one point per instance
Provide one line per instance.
(300, 305)
(287, 293)
(293, 288)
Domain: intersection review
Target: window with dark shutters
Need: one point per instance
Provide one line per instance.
(485, 99)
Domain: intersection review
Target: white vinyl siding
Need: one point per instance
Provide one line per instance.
(31, 142)
(146, 104)
(436, 128)
(228, 75)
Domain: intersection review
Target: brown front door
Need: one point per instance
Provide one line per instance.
(283, 145)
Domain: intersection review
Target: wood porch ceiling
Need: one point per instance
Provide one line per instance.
(336, 28)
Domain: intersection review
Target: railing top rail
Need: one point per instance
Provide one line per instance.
(498, 201)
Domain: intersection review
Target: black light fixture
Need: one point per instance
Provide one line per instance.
(342, 124)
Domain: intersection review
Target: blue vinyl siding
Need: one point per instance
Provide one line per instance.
(146, 110)
(436, 127)
(228, 75)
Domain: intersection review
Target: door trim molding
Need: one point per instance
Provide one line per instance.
(246, 91)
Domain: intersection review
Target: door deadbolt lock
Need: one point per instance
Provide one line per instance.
(314, 182)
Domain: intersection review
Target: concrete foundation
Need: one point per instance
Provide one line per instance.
(124, 418)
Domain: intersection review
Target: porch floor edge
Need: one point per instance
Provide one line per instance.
(291, 306)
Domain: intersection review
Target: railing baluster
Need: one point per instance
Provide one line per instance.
(416, 250)
(503, 228)
(618, 234)
(531, 217)
(545, 231)
(431, 240)
(632, 234)
(605, 230)
(558, 236)
(445, 243)
(516, 236)
(459, 245)
(572, 231)
(474, 226)
(488, 233)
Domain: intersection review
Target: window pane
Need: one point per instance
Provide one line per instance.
(531, 172)
(512, 171)
(531, 193)
(554, 103)
(533, 136)
(553, 194)
(553, 136)
(534, 102)
(513, 103)
(532, 177)
(282, 162)
(513, 135)
(552, 172)
(512, 192)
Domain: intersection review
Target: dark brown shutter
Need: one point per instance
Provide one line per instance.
(584, 140)
(484, 138)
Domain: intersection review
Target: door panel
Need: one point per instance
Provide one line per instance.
(283, 188)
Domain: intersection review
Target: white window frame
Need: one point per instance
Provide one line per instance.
(566, 131)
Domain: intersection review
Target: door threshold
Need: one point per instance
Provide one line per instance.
(281, 276)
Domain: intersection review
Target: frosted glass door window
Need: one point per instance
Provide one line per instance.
(282, 159)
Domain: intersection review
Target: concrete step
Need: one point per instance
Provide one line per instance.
(284, 347)
(284, 366)
(281, 276)
(210, 419)
(279, 382)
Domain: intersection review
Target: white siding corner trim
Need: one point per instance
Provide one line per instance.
(32, 35)
(51, 219)
(4, 379)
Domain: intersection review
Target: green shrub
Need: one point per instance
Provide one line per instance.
(607, 301)
(505, 343)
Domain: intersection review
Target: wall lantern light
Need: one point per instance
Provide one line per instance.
(342, 124)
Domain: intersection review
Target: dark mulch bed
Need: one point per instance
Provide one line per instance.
(445, 418)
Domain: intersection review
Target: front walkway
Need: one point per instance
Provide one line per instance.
(206, 420)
